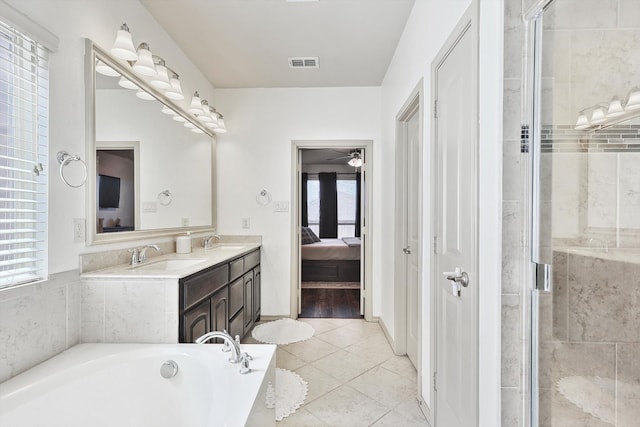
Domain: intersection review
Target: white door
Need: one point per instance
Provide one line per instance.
(412, 238)
(456, 230)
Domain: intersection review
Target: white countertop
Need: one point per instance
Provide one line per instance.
(174, 265)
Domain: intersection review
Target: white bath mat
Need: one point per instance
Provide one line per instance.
(283, 331)
(289, 394)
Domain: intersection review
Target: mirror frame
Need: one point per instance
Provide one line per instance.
(92, 51)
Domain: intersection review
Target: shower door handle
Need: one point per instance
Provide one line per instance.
(543, 277)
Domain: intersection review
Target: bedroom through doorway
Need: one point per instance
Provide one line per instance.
(330, 207)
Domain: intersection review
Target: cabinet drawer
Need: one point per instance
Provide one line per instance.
(251, 260)
(236, 298)
(236, 268)
(205, 284)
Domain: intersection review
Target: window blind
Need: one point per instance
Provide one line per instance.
(24, 146)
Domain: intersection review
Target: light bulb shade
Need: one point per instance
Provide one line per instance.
(582, 122)
(197, 130)
(161, 79)
(221, 126)
(598, 116)
(105, 70)
(179, 118)
(189, 125)
(123, 46)
(127, 84)
(615, 108)
(205, 116)
(144, 95)
(167, 110)
(175, 91)
(196, 104)
(356, 162)
(633, 100)
(144, 65)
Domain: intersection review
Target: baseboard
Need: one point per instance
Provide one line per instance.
(272, 318)
(387, 334)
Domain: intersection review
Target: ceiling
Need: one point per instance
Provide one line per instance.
(326, 156)
(247, 43)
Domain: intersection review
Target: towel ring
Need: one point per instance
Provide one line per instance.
(64, 159)
(263, 198)
(165, 197)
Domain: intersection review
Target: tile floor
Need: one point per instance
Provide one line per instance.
(354, 378)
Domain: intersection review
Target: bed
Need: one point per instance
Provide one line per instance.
(331, 260)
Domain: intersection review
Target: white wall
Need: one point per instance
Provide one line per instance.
(71, 21)
(256, 154)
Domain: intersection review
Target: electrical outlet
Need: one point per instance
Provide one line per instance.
(246, 223)
(78, 230)
(281, 207)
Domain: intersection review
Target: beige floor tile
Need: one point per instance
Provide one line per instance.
(374, 348)
(384, 386)
(410, 408)
(311, 349)
(319, 382)
(286, 360)
(342, 337)
(395, 419)
(401, 365)
(321, 325)
(367, 328)
(343, 365)
(345, 406)
(301, 418)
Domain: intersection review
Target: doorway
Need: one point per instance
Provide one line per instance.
(330, 243)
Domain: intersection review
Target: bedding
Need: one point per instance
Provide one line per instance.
(331, 250)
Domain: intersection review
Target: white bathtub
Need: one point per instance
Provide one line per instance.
(120, 385)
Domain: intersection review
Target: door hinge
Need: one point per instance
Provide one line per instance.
(435, 244)
(435, 377)
(435, 109)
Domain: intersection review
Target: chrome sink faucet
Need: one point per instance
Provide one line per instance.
(206, 242)
(238, 356)
(138, 256)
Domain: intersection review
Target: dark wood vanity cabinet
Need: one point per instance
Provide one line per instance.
(225, 296)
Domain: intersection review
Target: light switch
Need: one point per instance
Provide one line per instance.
(246, 223)
(281, 207)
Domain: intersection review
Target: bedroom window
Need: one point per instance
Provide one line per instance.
(24, 145)
(346, 188)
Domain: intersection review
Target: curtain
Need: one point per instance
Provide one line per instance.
(328, 205)
(303, 202)
(358, 198)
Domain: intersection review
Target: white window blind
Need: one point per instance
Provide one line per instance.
(24, 130)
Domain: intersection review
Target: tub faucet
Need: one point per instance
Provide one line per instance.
(237, 357)
(142, 257)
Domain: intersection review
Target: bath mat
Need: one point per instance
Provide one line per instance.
(283, 331)
(289, 394)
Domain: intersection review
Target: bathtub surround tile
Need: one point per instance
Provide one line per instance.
(628, 12)
(562, 360)
(37, 321)
(575, 14)
(511, 342)
(511, 401)
(628, 384)
(602, 297)
(560, 299)
(512, 99)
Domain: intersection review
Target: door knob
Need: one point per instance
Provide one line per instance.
(458, 279)
(407, 250)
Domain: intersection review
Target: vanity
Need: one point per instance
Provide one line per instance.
(174, 298)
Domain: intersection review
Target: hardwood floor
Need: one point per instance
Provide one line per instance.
(340, 303)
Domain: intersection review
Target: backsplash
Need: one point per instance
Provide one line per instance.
(617, 139)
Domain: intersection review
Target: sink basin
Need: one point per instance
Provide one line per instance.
(169, 264)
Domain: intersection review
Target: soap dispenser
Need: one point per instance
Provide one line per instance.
(183, 244)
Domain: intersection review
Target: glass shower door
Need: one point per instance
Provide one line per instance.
(586, 215)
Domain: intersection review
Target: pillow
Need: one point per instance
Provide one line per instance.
(308, 236)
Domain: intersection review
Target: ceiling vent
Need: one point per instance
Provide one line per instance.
(304, 62)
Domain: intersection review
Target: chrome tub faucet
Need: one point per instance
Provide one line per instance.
(238, 356)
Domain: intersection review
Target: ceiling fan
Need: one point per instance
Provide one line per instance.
(355, 158)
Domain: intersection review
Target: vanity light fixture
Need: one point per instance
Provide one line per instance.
(197, 130)
(598, 115)
(105, 70)
(196, 104)
(205, 116)
(175, 91)
(127, 84)
(144, 95)
(633, 100)
(615, 108)
(582, 122)
(167, 110)
(123, 46)
(214, 118)
(179, 118)
(144, 65)
(161, 79)
(189, 125)
(221, 126)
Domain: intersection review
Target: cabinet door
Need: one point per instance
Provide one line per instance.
(220, 310)
(248, 300)
(256, 294)
(196, 322)
(236, 325)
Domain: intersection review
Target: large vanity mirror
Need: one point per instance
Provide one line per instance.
(148, 174)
